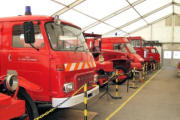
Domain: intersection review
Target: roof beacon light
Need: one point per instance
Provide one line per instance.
(28, 10)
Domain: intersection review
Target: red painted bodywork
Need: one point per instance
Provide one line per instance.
(104, 66)
(136, 60)
(140, 49)
(39, 67)
(11, 107)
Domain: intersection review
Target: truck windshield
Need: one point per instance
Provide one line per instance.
(135, 43)
(131, 49)
(65, 38)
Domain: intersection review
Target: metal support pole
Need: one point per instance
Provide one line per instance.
(85, 102)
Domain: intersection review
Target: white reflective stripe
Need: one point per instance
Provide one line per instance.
(80, 66)
(94, 63)
(72, 66)
(86, 65)
(90, 64)
(65, 65)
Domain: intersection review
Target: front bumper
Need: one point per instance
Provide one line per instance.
(77, 99)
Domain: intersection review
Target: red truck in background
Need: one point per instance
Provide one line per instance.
(120, 60)
(123, 45)
(104, 69)
(53, 56)
(146, 49)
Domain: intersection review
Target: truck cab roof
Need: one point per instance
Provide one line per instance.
(114, 40)
(32, 18)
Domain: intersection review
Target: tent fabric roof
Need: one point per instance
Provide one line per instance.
(105, 17)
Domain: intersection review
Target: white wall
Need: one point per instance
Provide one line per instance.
(157, 31)
(145, 33)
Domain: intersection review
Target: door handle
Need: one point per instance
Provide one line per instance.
(9, 58)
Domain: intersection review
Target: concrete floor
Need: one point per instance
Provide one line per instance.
(158, 100)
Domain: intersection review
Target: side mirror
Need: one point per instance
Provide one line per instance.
(29, 32)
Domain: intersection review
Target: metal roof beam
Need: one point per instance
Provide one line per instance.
(112, 15)
(177, 4)
(135, 20)
(136, 11)
(150, 24)
(66, 8)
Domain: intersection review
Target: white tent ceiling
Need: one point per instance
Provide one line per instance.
(98, 16)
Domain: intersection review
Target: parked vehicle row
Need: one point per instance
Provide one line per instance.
(53, 60)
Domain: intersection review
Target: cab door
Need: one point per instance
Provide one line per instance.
(4, 47)
(30, 63)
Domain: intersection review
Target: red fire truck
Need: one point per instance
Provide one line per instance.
(49, 53)
(119, 59)
(146, 49)
(122, 44)
(104, 69)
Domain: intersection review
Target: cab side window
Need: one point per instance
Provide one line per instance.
(153, 50)
(116, 47)
(18, 37)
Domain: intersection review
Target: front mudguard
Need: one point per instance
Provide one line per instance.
(27, 85)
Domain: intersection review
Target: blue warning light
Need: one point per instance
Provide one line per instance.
(28, 10)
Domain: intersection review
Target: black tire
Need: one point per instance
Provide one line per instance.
(31, 108)
(125, 71)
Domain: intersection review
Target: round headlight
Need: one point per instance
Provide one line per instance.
(11, 82)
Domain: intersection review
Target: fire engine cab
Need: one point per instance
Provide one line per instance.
(50, 53)
(122, 45)
(146, 49)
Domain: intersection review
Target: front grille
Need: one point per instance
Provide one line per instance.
(87, 78)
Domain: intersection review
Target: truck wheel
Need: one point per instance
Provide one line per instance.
(121, 79)
(31, 109)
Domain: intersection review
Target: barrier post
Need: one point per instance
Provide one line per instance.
(134, 79)
(159, 65)
(146, 68)
(154, 66)
(151, 66)
(117, 87)
(143, 74)
(85, 102)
